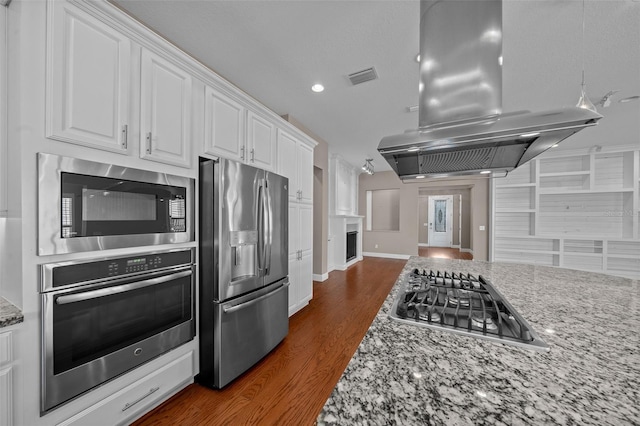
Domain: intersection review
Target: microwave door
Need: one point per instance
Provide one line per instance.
(238, 236)
(276, 233)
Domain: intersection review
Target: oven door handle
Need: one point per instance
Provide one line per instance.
(94, 294)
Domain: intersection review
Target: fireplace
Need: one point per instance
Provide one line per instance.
(352, 245)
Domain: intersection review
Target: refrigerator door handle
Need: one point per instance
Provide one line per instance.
(234, 308)
(269, 229)
(262, 231)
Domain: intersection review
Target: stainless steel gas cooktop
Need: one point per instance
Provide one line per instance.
(463, 304)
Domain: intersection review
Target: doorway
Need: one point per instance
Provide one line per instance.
(440, 220)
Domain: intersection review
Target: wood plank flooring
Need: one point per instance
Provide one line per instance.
(293, 382)
(443, 253)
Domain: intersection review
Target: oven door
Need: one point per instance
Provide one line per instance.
(96, 332)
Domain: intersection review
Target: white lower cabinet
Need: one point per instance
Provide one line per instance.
(6, 378)
(138, 398)
(300, 256)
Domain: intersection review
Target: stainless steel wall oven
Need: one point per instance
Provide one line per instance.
(101, 318)
(85, 206)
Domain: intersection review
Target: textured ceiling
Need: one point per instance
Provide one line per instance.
(275, 50)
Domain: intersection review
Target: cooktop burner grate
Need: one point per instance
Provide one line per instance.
(463, 304)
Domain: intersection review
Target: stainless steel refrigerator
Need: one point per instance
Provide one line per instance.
(243, 267)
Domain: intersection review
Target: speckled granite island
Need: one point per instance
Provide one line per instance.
(9, 314)
(408, 375)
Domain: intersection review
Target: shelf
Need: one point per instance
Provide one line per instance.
(560, 174)
(515, 210)
(516, 185)
(583, 191)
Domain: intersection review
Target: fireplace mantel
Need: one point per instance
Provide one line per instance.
(340, 225)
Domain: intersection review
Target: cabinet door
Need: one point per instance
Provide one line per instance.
(294, 226)
(165, 111)
(87, 80)
(261, 142)
(305, 227)
(287, 162)
(6, 397)
(224, 126)
(305, 280)
(293, 284)
(305, 173)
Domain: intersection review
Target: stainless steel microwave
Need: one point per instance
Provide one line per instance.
(86, 206)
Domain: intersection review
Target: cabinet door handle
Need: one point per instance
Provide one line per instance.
(242, 153)
(149, 143)
(131, 404)
(124, 132)
(252, 155)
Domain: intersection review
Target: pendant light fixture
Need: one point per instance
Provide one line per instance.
(584, 101)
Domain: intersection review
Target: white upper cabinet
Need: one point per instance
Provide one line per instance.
(232, 131)
(261, 142)
(90, 87)
(224, 126)
(87, 80)
(295, 161)
(165, 111)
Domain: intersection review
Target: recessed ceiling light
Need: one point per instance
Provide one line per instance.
(485, 172)
(418, 58)
(554, 145)
(317, 87)
(420, 177)
(413, 149)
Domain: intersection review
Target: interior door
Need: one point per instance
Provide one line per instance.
(440, 220)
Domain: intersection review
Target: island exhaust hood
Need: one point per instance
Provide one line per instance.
(462, 130)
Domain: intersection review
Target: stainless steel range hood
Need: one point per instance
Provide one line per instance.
(462, 130)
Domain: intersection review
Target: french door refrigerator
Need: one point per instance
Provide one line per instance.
(243, 266)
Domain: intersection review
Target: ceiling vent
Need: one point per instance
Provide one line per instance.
(363, 76)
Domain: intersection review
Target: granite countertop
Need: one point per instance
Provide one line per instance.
(403, 374)
(9, 314)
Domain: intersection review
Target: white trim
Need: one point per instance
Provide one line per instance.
(346, 266)
(456, 246)
(423, 244)
(466, 250)
(321, 277)
(298, 306)
(387, 255)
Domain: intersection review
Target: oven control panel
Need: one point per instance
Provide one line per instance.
(82, 271)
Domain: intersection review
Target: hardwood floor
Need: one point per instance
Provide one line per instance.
(293, 382)
(443, 253)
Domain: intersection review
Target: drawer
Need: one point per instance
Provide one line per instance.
(6, 348)
(137, 398)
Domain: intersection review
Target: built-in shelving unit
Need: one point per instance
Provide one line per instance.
(576, 210)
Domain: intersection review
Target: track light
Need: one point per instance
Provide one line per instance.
(367, 166)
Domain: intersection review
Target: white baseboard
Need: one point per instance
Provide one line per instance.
(456, 246)
(466, 250)
(321, 277)
(423, 245)
(388, 255)
(345, 266)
